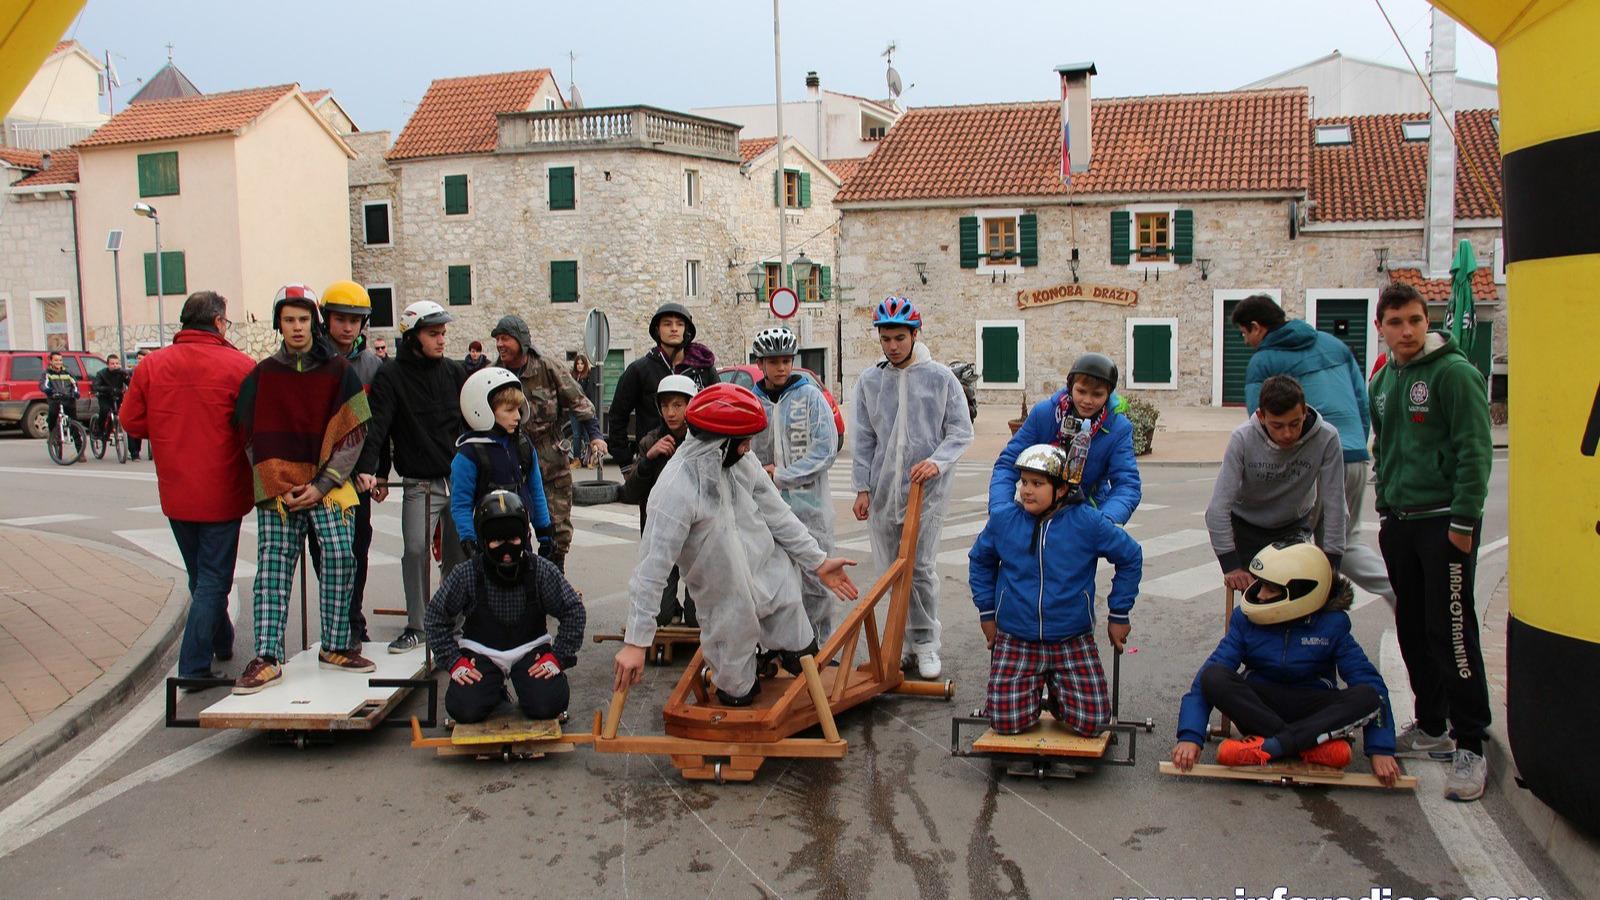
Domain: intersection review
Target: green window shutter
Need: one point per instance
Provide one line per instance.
(173, 274)
(563, 193)
(1121, 224)
(1183, 236)
(564, 281)
(1152, 354)
(969, 242)
(805, 190)
(825, 284)
(777, 187)
(460, 285)
(158, 174)
(1028, 239)
(1000, 354)
(455, 195)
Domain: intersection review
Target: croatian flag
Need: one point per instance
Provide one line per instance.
(1066, 136)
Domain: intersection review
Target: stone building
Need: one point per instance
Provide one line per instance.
(496, 198)
(1179, 206)
(39, 306)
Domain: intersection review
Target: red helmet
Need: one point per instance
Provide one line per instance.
(727, 409)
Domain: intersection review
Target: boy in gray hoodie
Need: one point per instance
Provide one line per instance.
(1282, 478)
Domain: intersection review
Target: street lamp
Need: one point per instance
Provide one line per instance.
(801, 267)
(114, 245)
(149, 212)
(757, 277)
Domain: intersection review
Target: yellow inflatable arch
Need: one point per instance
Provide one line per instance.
(1549, 55)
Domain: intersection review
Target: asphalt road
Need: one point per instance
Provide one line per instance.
(135, 809)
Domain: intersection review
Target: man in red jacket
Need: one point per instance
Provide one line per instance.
(182, 399)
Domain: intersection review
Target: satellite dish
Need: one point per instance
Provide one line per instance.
(895, 86)
(575, 97)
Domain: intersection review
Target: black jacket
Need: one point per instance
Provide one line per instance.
(416, 401)
(110, 383)
(636, 394)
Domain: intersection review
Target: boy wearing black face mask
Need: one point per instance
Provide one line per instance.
(503, 597)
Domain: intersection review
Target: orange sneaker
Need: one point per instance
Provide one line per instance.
(1247, 752)
(1334, 754)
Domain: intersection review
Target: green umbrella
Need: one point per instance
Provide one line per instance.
(1460, 319)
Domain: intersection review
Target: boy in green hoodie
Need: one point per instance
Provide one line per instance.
(1430, 419)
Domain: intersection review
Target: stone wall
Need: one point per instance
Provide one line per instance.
(38, 255)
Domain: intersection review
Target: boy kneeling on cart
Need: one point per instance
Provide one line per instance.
(1032, 572)
(504, 593)
(1293, 640)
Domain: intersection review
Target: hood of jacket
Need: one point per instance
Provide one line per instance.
(1435, 347)
(1295, 334)
(517, 329)
(1258, 429)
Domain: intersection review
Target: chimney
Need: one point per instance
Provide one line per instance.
(1441, 209)
(1077, 77)
(813, 86)
(44, 161)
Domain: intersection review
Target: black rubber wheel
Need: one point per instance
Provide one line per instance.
(98, 445)
(594, 493)
(36, 421)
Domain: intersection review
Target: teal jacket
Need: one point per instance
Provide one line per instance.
(1327, 372)
(1430, 417)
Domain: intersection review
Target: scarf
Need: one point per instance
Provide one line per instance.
(294, 409)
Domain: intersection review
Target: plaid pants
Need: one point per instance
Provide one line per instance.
(278, 542)
(1017, 673)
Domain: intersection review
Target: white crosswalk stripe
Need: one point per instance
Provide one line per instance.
(1186, 584)
(56, 519)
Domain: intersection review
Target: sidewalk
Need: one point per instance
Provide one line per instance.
(79, 623)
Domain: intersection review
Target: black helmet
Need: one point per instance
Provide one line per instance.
(672, 309)
(500, 516)
(1097, 365)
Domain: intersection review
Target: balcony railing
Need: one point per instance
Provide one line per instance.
(617, 127)
(45, 135)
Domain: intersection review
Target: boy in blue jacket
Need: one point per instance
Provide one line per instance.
(1110, 477)
(495, 455)
(1294, 643)
(1032, 572)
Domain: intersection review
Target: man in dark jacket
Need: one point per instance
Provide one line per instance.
(109, 386)
(553, 396)
(675, 353)
(416, 408)
(182, 397)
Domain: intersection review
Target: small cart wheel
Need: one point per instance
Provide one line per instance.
(300, 741)
(716, 772)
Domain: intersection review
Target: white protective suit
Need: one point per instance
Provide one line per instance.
(902, 417)
(802, 441)
(740, 551)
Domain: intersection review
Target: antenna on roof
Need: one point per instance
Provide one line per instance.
(574, 99)
(895, 85)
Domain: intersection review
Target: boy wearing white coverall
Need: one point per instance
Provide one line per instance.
(797, 450)
(911, 425)
(716, 515)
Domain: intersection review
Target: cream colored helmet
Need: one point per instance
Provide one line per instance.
(1301, 569)
(475, 394)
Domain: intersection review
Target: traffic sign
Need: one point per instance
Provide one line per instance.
(784, 303)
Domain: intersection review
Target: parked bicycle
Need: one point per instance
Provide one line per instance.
(110, 433)
(67, 429)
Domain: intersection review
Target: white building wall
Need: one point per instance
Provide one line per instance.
(1342, 86)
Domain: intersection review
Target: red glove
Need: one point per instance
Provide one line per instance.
(549, 658)
(463, 662)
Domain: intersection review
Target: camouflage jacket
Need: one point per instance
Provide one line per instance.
(553, 395)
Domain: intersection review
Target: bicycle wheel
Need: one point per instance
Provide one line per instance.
(53, 443)
(121, 439)
(80, 439)
(97, 443)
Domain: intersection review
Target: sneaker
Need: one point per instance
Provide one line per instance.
(345, 661)
(1334, 754)
(259, 673)
(1467, 775)
(928, 664)
(790, 659)
(1247, 752)
(690, 620)
(727, 699)
(409, 640)
(1414, 743)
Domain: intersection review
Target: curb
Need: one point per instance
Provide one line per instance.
(1571, 852)
(112, 688)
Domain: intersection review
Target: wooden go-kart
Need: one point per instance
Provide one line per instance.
(506, 736)
(668, 639)
(708, 741)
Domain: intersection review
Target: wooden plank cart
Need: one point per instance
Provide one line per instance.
(708, 741)
(668, 639)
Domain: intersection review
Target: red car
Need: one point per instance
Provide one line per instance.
(748, 374)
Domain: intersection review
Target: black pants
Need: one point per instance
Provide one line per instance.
(361, 546)
(102, 423)
(1436, 621)
(539, 698)
(1300, 718)
(1250, 539)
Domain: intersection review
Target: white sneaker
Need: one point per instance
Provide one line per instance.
(927, 657)
(1467, 776)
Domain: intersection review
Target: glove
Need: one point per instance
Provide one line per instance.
(463, 662)
(547, 659)
(547, 548)
(470, 549)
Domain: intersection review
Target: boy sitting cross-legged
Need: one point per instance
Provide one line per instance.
(1033, 578)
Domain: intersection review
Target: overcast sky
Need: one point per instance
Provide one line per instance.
(378, 57)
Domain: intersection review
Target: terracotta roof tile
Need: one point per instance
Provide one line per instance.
(22, 159)
(63, 170)
(1437, 290)
(1381, 176)
(1232, 141)
(844, 168)
(457, 115)
(754, 147)
(185, 117)
(313, 96)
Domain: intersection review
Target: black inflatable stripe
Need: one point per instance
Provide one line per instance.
(1549, 723)
(1553, 198)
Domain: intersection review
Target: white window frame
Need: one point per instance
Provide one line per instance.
(693, 187)
(1022, 351)
(550, 103)
(983, 215)
(1499, 261)
(691, 278)
(1338, 135)
(1161, 265)
(1219, 297)
(1172, 353)
(577, 194)
(1416, 130)
(394, 305)
(1313, 295)
(472, 207)
(36, 313)
(388, 215)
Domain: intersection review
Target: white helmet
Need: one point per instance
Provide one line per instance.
(477, 390)
(1301, 570)
(775, 342)
(422, 314)
(677, 384)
